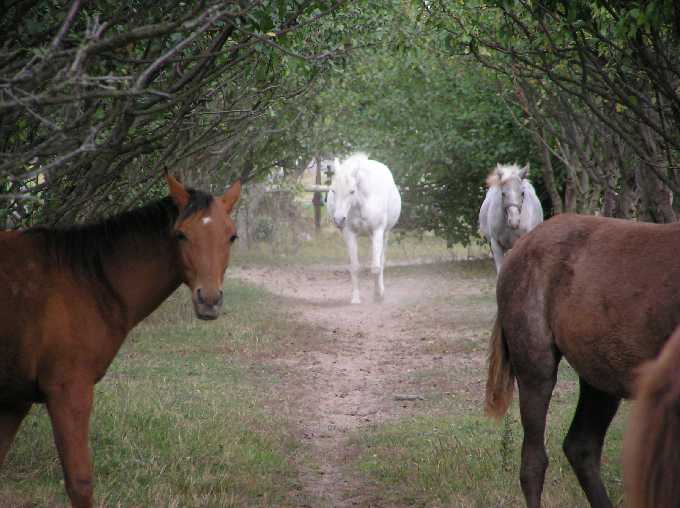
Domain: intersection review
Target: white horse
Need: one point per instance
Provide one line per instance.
(363, 198)
(510, 209)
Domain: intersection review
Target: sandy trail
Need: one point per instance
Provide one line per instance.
(360, 369)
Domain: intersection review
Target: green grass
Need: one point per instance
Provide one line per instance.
(184, 418)
(462, 459)
(176, 421)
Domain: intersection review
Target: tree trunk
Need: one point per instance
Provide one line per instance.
(549, 176)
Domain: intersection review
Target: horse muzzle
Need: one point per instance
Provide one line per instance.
(340, 223)
(512, 213)
(207, 307)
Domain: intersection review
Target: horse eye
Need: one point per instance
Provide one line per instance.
(233, 238)
(180, 236)
(351, 192)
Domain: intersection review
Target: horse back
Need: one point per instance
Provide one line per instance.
(608, 291)
(382, 202)
(50, 324)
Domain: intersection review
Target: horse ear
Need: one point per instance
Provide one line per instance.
(230, 197)
(524, 172)
(178, 192)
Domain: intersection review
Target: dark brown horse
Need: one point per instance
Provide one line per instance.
(651, 457)
(605, 295)
(69, 297)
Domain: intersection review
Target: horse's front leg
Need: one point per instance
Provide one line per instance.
(353, 250)
(498, 253)
(379, 258)
(69, 406)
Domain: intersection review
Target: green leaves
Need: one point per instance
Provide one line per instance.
(436, 119)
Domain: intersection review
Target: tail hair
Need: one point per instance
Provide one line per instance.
(500, 383)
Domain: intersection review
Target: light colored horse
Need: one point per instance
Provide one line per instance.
(510, 209)
(363, 198)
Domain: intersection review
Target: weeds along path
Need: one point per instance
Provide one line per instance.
(358, 367)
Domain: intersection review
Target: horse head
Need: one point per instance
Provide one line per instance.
(204, 233)
(343, 195)
(510, 182)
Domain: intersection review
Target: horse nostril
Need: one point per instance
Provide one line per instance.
(220, 298)
(199, 296)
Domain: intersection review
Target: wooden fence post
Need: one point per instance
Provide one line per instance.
(316, 199)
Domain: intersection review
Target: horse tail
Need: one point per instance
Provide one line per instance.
(651, 460)
(500, 382)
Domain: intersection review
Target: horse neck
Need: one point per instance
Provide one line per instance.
(144, 275)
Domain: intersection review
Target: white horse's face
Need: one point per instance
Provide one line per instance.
(344, 195)
(513, 196)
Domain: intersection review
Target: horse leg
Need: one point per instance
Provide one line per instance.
(497, 252)
(382, 267)
(351, 241)
(10, 420)
(583, 444)
(534, 399)
(535, 363)
(69, 408)
(379, 258)
(377, 240)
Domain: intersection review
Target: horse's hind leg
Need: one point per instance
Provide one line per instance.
(534, 362)
(583, 444)
(377, 237)
(379, 285)
(353, 250)
(534, 399)
(10, 420)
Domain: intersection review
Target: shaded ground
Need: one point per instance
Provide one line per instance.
(366, 364)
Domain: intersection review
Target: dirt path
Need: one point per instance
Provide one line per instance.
(361, 368)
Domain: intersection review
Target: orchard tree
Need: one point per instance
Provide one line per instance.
(96, 98)
(439, 121)
(598, 81)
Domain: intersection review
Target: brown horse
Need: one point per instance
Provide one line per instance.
(651, 450)
(605, 295)
(69, 297)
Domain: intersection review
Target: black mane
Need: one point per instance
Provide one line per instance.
(85, 248)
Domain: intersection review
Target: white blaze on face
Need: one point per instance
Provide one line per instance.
(512, 200)
(206, 220)
(343, 192)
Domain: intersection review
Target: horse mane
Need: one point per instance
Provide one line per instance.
(352, 163)
(85, 248)
(651, 453)
(502, 172)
